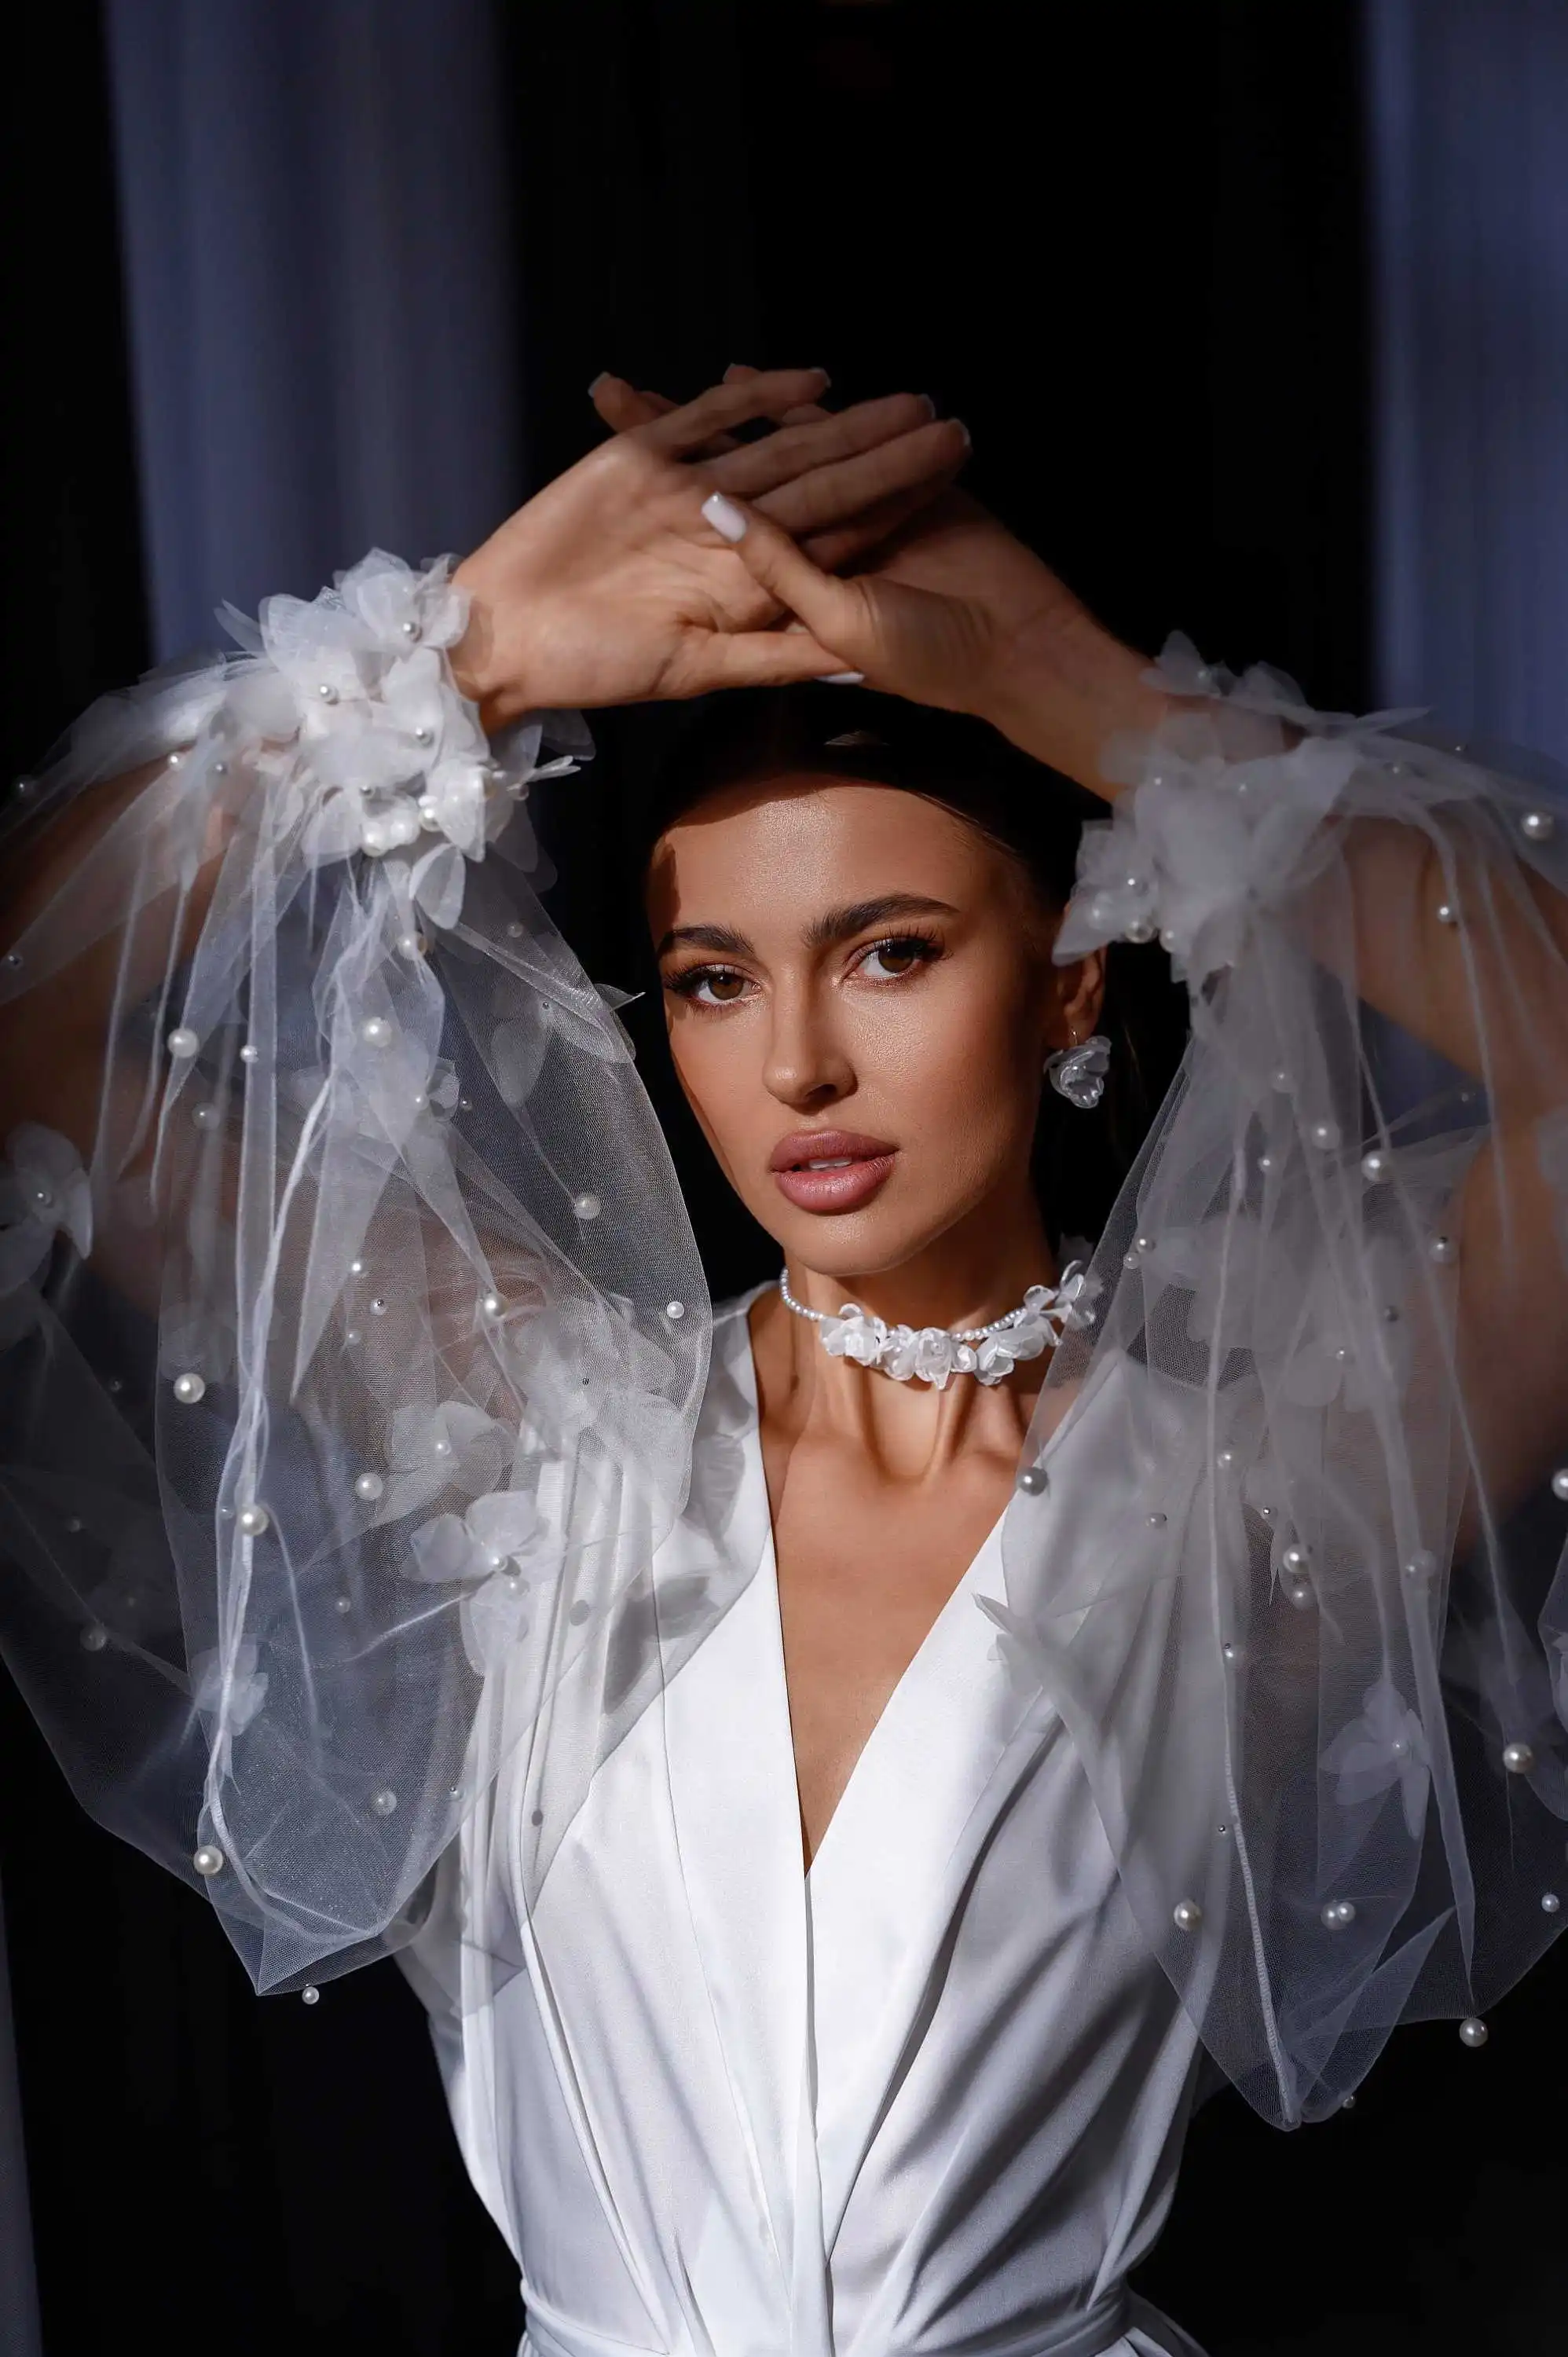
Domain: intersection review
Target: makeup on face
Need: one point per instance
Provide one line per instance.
(829, 1171)
(860, 998)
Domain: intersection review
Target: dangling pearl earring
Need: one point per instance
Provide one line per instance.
(1078, 1074)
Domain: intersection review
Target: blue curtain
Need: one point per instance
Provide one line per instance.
(1466, 111)
(315, 213)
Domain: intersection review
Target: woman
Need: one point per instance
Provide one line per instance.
(832, 1767)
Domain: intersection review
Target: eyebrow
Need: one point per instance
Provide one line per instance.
(823, 933)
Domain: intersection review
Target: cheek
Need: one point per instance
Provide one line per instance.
(961, 1055)
(719, 1068)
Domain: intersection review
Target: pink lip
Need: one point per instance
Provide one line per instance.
(866, 1164)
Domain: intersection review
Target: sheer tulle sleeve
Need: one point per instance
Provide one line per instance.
(1321, 1679)
(353, 1330)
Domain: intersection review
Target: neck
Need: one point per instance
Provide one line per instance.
(976, 1271)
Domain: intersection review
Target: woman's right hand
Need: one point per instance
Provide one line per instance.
(610, 588)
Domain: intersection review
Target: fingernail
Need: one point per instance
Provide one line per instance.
(724, 516)
(604, 377)
(827, 380)
(840, 678)
(927, 403)
(968, 436)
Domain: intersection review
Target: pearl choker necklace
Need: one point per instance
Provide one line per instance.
(934, 1354)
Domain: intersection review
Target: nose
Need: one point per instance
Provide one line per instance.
(807, 1066)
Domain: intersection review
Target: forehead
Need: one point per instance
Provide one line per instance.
(787, 846)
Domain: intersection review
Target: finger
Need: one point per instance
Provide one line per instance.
(621, 408)
(834, 612)
(801, 413)
(766, 659)
(838, 493)
(624, 408)
(725, 406)
(842, 548)
(759, 467)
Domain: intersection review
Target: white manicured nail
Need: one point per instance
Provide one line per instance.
(724, 516)
(840, 678)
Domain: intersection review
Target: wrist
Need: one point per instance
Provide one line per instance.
(489, 662)
(1068, 692)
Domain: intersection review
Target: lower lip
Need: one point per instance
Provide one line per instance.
(834, 1190)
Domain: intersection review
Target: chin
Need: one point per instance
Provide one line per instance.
(859, 1243)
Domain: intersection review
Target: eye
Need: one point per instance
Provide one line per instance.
(897, 957)
(710, 985)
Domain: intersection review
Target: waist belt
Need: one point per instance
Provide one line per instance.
(1089, 2333)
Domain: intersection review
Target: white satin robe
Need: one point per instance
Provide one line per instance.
(926, 2101)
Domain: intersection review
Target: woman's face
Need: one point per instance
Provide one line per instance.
(860, 997)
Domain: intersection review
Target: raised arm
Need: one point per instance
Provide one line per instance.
(1318, 1673)
(352, 1325)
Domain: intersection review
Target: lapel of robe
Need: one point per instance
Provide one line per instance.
(732, 1796)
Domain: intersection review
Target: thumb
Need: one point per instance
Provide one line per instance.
(834, 611)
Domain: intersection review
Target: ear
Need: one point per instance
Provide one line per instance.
(1077, 997)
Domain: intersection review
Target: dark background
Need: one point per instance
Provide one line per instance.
(1128, 248)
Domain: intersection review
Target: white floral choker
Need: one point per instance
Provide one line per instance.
(934, 1354)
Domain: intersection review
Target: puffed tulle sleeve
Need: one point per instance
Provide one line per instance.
(1319, 1676)
(351, 1326)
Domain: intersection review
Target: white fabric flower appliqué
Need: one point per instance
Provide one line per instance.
(43, 1191)
(495, 1544)
(433, 1446)
(1385, 1747)
(383, 748)
(235, 1694)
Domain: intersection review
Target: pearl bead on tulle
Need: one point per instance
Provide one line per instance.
(93, 1637)
(1339, 1914)
(310, 1993)
(1187, 1915)
(249, 1055)
(1518, 1759)
(1560, 1482)
(385, 1801)
(1032, 1480)
(1550, 1902)
(253, 1521)
(209, 1860)
(1444, 1251)
(1473, 2030)
(376, 1031)
(586, 1205)
(182, 1040)
(1538, 826)
(675, 1311)
(189, 1388)
(368, 1486)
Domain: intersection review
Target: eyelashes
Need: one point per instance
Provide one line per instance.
(897, 957)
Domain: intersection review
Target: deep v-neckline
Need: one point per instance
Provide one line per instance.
(883, 1726)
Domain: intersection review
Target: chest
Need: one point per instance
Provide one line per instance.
(865, 1568)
